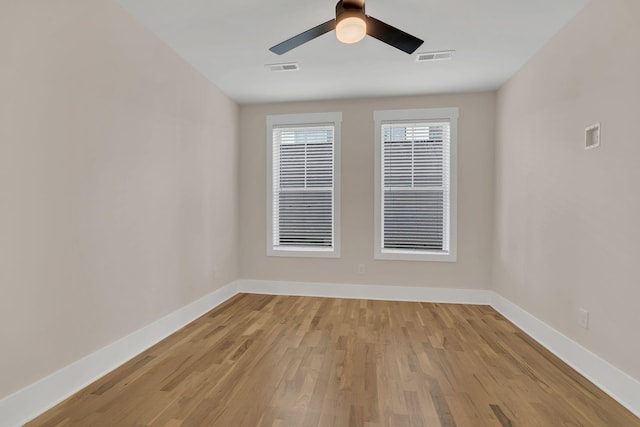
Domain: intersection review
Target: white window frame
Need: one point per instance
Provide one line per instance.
(310, 119)
(406, 116)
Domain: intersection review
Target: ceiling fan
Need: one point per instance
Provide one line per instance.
(351, 25)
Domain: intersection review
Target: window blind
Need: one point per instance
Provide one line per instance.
(416, 186)
(303, 187)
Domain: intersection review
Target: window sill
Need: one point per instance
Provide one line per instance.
(303, 252)
(398, 255)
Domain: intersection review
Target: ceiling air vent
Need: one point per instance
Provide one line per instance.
(289, 66)
(435, 56)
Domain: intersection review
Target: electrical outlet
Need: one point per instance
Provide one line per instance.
(360, 268)
(584, 318)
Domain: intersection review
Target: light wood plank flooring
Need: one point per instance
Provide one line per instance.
(297, 361)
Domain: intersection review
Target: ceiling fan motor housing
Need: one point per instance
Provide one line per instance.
(349, 9)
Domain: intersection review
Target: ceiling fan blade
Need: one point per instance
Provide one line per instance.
(302, 38)
(392, 36)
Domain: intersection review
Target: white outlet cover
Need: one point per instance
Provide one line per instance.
(584, 318)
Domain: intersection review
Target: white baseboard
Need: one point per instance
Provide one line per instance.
(616, 383)
(372, 292)
(26, 404)
(31, 401)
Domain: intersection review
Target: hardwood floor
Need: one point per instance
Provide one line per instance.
(298, 361)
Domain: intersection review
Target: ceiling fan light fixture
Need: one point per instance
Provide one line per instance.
(352, 24)
(351, 29)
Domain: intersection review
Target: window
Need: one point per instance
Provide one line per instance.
(303, 185)
(415, 211)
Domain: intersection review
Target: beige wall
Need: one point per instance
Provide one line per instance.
(475, 197)
(567, 220)
(118, 196)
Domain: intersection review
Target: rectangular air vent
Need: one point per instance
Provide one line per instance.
(435, 56)
(289, 66)
(592, 137)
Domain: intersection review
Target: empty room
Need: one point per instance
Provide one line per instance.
(309, 213)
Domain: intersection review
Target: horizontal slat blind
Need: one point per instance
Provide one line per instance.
(303, 187)
(415, 186)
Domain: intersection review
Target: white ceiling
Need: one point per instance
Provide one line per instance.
(228, 41)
